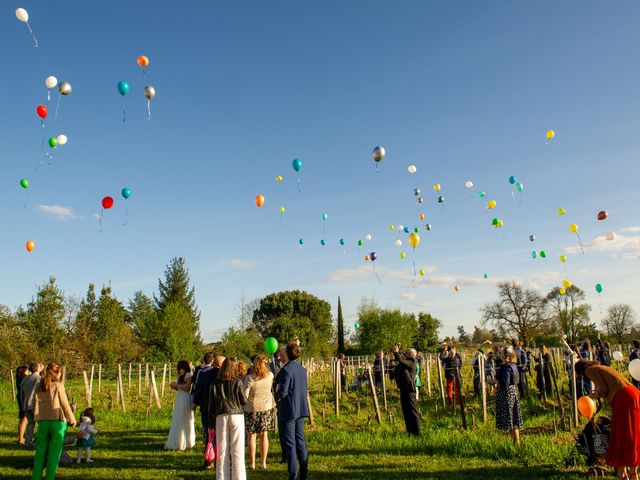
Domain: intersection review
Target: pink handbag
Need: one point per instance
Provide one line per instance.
(210, 453)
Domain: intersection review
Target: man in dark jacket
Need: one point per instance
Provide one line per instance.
(522, 367)
(292, 397)
(405, 375)
(201, 396)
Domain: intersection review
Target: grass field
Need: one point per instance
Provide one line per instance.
(353, 446)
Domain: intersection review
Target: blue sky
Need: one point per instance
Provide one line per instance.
(463, 90)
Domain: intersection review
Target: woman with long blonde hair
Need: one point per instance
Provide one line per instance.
(260, 410)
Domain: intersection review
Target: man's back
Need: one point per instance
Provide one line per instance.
(292, 391)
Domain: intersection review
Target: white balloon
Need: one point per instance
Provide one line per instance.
(468, 184)
(368, 237)
(398, 243)
(617, 355)
(611, 236)
(412, 169)
(62, 139)
(22, 15)
(51, 82)
(634, 369)
(400, 227)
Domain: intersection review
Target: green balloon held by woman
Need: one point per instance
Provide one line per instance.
(271, 345)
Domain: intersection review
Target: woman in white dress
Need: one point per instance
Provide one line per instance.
(182, 434)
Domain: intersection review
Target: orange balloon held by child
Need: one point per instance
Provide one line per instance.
(586, 407)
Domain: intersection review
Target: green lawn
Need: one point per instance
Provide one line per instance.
(130, 445)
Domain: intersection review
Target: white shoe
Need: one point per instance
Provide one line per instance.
(89, 460)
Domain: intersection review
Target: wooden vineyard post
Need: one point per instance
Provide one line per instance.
(149, 398)
(483, 386)
(463, 413)
(574, 393)
(99, 377)
(444, 403)
(384, 384)
(554, 380)
(428, 365)
(544, 386)
(310, 409)
(154, 387)
(13, 383)
(87, 397)
(64, 373)
(139, 379)
(120, 388)
(374, 394)
(146, 375)
(129, 384)
(164, 376)
(93, 369)
(336, 385)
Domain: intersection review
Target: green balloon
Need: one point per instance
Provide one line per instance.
(416, 229)
(534, 254)
(359, 243)
(519, 186)
(53, 143)
(271, 345)
(599, 287)
(482, 194)
(486, 275)
(543, 254)
(24, 183)
(495, 221)
(356, 326)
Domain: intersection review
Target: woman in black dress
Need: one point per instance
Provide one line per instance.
(543, 370)
(508, 411)
(21, 372)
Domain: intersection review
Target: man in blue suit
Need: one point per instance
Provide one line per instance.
(292, 397)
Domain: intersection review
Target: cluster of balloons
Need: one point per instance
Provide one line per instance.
(124, 88)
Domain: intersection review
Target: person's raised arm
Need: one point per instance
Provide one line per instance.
(64, 404)
(403, 360)
(284, 383)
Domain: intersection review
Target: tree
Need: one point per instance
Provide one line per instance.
(245, 311)
(112, 337)
(481, 335)
(567, 312)
(240, 343)
(141, 317)
(518, 311)
(175, 289)
(84, 327)
(340, 328)
(463, 336)
(290, 314)
(426, 338)
(380, 329)
(45, 314)
(14, 347)
(620, 321)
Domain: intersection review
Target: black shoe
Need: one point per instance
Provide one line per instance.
(209, 465)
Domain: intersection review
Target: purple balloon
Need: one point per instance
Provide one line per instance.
(373, 256)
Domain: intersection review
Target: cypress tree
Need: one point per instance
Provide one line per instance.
(340, 328)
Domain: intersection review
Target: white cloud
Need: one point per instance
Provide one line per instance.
(630, 230)
(627, 246)
(65, 214)
(241, 264)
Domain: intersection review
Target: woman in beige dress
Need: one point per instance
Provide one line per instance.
(260, 411)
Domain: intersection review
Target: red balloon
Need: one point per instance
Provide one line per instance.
(42, 111)
(603, 215)
(107, 203)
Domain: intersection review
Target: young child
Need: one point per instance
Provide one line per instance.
(86, 434)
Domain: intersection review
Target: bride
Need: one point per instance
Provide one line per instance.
(182, 434)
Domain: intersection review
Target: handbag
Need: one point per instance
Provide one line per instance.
(210, 452)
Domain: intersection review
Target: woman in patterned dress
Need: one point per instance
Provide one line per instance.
(260, 412)
(508, 412)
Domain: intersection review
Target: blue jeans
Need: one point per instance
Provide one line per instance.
(295, 447)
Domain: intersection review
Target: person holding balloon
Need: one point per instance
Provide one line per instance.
(405, 375)
(623, 451)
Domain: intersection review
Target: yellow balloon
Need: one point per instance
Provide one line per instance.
(278, 178)
(436, 187)
(562, 211)
(563, 259)
(562, 291)
(566, 283)
(573, 227)
(392, 227)
(281, 209)
(421, 272)
(403, 255)
(550, 134)
(492, 204)
(414, 240)
(500, 224)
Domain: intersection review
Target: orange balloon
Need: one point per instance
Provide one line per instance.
(143, 61)
(30, 246)
(586, 407)
(366, 258)
(422, 217)
(259, 200)
(456, 288)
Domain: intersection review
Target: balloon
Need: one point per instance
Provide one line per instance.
(24, 183)
(586, 406)
(482, 194)
(543, 254)
(342, 241)
(562, 291)
(428, 226)
(519, 186)
(532, 238)
(456, 288)
(566, 283)
(373, 256)
(398, 243)
(403, 255)
(64, 88)
(368, 237)
(420, 199)
(436, 187)
(550, 134)
(51, 81)
(53, 143)
(42, 111)
(279, 179)
(360, 242)
(22, 15)
(634, 369)
(416, 229)
(534, 254)
(301, 241)
(126, 193)
(414, 240)
(603, 215)
(297, 165)
(599, 287)
(259, 200)
(356, 326)
(492, 204)
(324, 217)
(62, 139)
(512, 179)
(30, 246)
(123, 88)
(485, 275)
(573, 228)
(378, 154)
(422, 217)
(440, 199)
(143, 61)
(611, 236)
(366, 258)
(562, 211)
(412, 169)
(617, 355)
(392, 227)
(400, 227)
(107, 203)
(468, 184)
(323, 243)
(494, 222)
(421, 272)
(149, 92)
(500, 223)
(563, 258)
(281, 210)
(416, 191)
(271, 345)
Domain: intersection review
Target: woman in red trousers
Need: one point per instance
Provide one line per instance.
(623, 452)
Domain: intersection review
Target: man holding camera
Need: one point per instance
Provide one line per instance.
(405, 375)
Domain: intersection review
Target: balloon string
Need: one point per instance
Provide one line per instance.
(35, 40)
(126, 215)
(124, 112)
(298, 183)
(57, 107)
(376, 273)
(580, 243)
(48, 96)
(100, 221)
(148, 110)
(344, 255)
(26, 201)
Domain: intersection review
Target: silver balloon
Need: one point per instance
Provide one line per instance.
(428, 226)
(149, 92)
(532, 237)
(416, 192)
(64, 88)
(378, 154)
